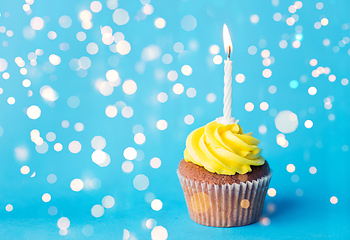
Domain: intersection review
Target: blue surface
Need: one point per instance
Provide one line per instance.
(301, 208)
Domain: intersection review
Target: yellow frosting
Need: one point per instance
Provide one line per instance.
(223, 149)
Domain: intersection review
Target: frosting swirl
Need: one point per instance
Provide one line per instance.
(223, 149)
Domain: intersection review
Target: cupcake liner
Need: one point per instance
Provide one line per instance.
(228, 205)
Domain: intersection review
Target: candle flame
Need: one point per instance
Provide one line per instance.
(227, 40)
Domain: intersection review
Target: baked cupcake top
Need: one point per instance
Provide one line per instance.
(223, 149)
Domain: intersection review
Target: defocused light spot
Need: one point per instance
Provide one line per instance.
(139, 138)
(58, 147)
(272, 89)
(123, 47)
(63, 223)
(293, 84)
(254, 18)
(159, 233)
(290, 21)
(265, 53)
(188, 23)
(127, 166)
(3, 64)
(334, 200)
(264, 106)
(25, 170)
(127, 112)
(52, 35)
(252, 50)
(97, 211)
(299, 192)
(151, 223)
(271, 192)
(308, 124)
(130, 153)
(48, 93)
(249, 106)
(88, 230)
(162, 97)
(96, 6)
(245, 203)
(167, 58)
(65, 124)
(214, 49)
(129, 87)
(262, 129)
(78, 127)
(51, 178)
(290, 168)
(9, 207)
(108, 201)
(312, 90)
(324, 21)
(211, 97)
(21, 153)
(148, 9)
(50, 136)
(33, 112)
(267, 73)
(178, 47)
(296, 44)
(332, 78)
(313, 62)
(46, 197)
(54, 59)
(37, 23)
(240, 78)
(120, 16)
(156, 205)
(317, 25)
(65, 21)
(92, 48)
(73, 102)
(295, 178)
(344, 81)
(191, 92)
(151, 53)
(189, 119)
(319, 5)
(76, 185)
(155, 163)
(178, 88)
(111, 111)
(162, 124)
(74, 147)
(286, 121)
(283, 44)
(101, 158)
(81, 36)
(312, 170)
(217, 59)
(172, 75)
(141, 182)
(106, 88)
(160, 23)
(186, 70)
(11, 100)
(277, 16)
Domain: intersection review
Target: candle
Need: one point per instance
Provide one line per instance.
(227, 118)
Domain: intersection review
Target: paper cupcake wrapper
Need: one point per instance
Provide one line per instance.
(228, 205)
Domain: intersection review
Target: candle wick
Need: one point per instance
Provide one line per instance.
(229, 52)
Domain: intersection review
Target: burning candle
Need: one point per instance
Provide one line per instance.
(227, 118)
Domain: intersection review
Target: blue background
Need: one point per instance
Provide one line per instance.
(300, 209)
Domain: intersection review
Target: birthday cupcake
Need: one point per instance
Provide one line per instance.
(223, 176)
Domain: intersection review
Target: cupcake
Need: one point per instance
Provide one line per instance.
(223, 176)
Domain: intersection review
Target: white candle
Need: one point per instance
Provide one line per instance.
(227, 118)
